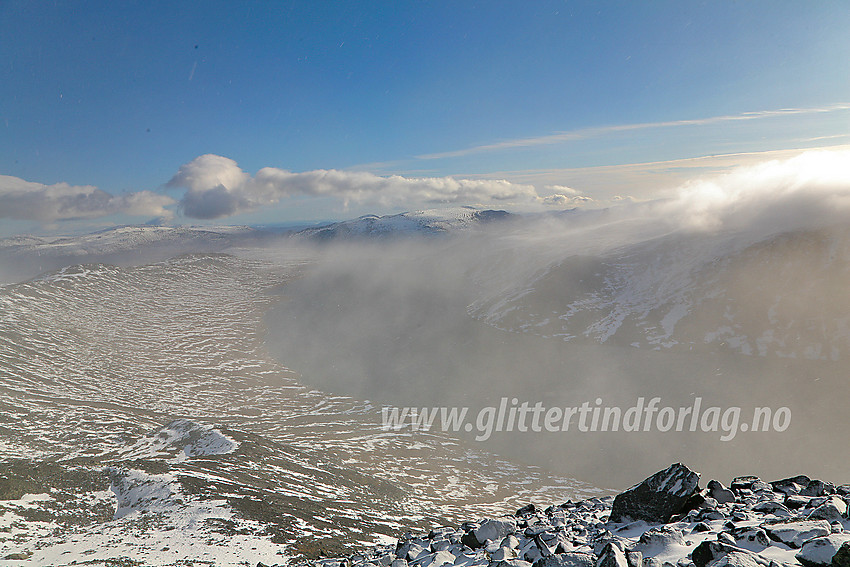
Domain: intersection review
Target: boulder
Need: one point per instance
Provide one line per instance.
(526, 510)
(819, 552)
(842, 557)
(657, 539)
(772, 507)
(743, 483)
(740, 559)
(716, 554)
(503, 554)
(751, 538)
(569, 559)
(494, 529)
(435, 559)
(833, 510)
(511, 563)
(709, 551)
(818, 488)
(720, 493)
(791, 485)
(658, 497)
(612, 556)
(794, 502)
(634, 558)
(795, 534)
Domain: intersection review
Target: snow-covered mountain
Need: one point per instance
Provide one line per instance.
(25, 256)
(430, 222)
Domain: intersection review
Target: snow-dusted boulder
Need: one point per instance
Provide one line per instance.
(494, 529)
(720, 493)
(820, 551)
(833, 510)
(795, 534)
(569, 559)
(842, 557)
(612, 556)
(657, 498)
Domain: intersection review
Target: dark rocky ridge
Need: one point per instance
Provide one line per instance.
(665, 521)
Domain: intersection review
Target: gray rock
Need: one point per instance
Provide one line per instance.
(772, 507)
(842, 557)
(818, 488)
(612, 556)
(511, 563)
(720, 493)
(531, 552)
(820, 551)
(435, 559)
(510, 541)
(657, 498)
(659, 538)
(796, 501)
(503, 554)
(526, 510)
(717, 554)
(833, 510)
(416, 551)
(495, 529)
(708, 551)
(795, 534)
(751, 538)
(791, 485)
(569, 559)
(739, 559)
(634, 558)
(743, 483)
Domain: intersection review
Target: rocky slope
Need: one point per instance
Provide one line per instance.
(665, 521)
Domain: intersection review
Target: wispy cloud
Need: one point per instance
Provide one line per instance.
(646, 180)
(585, 133)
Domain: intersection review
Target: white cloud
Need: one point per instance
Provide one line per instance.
(217, 187)
(27, 200)
(563, 196)
(562, 189)
(809, 190)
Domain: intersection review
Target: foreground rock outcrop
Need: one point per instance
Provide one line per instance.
(665, 521)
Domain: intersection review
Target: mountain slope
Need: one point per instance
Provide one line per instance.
(779, 296)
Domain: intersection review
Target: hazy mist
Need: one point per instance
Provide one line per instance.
(763, 252)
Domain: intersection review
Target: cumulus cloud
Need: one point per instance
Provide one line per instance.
(27, 200)
(810, 189)
(217, 187)
(563, 196)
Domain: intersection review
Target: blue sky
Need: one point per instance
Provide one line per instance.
(554, 97)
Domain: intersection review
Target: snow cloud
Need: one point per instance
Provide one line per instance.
(26, 200)
(217, 187)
